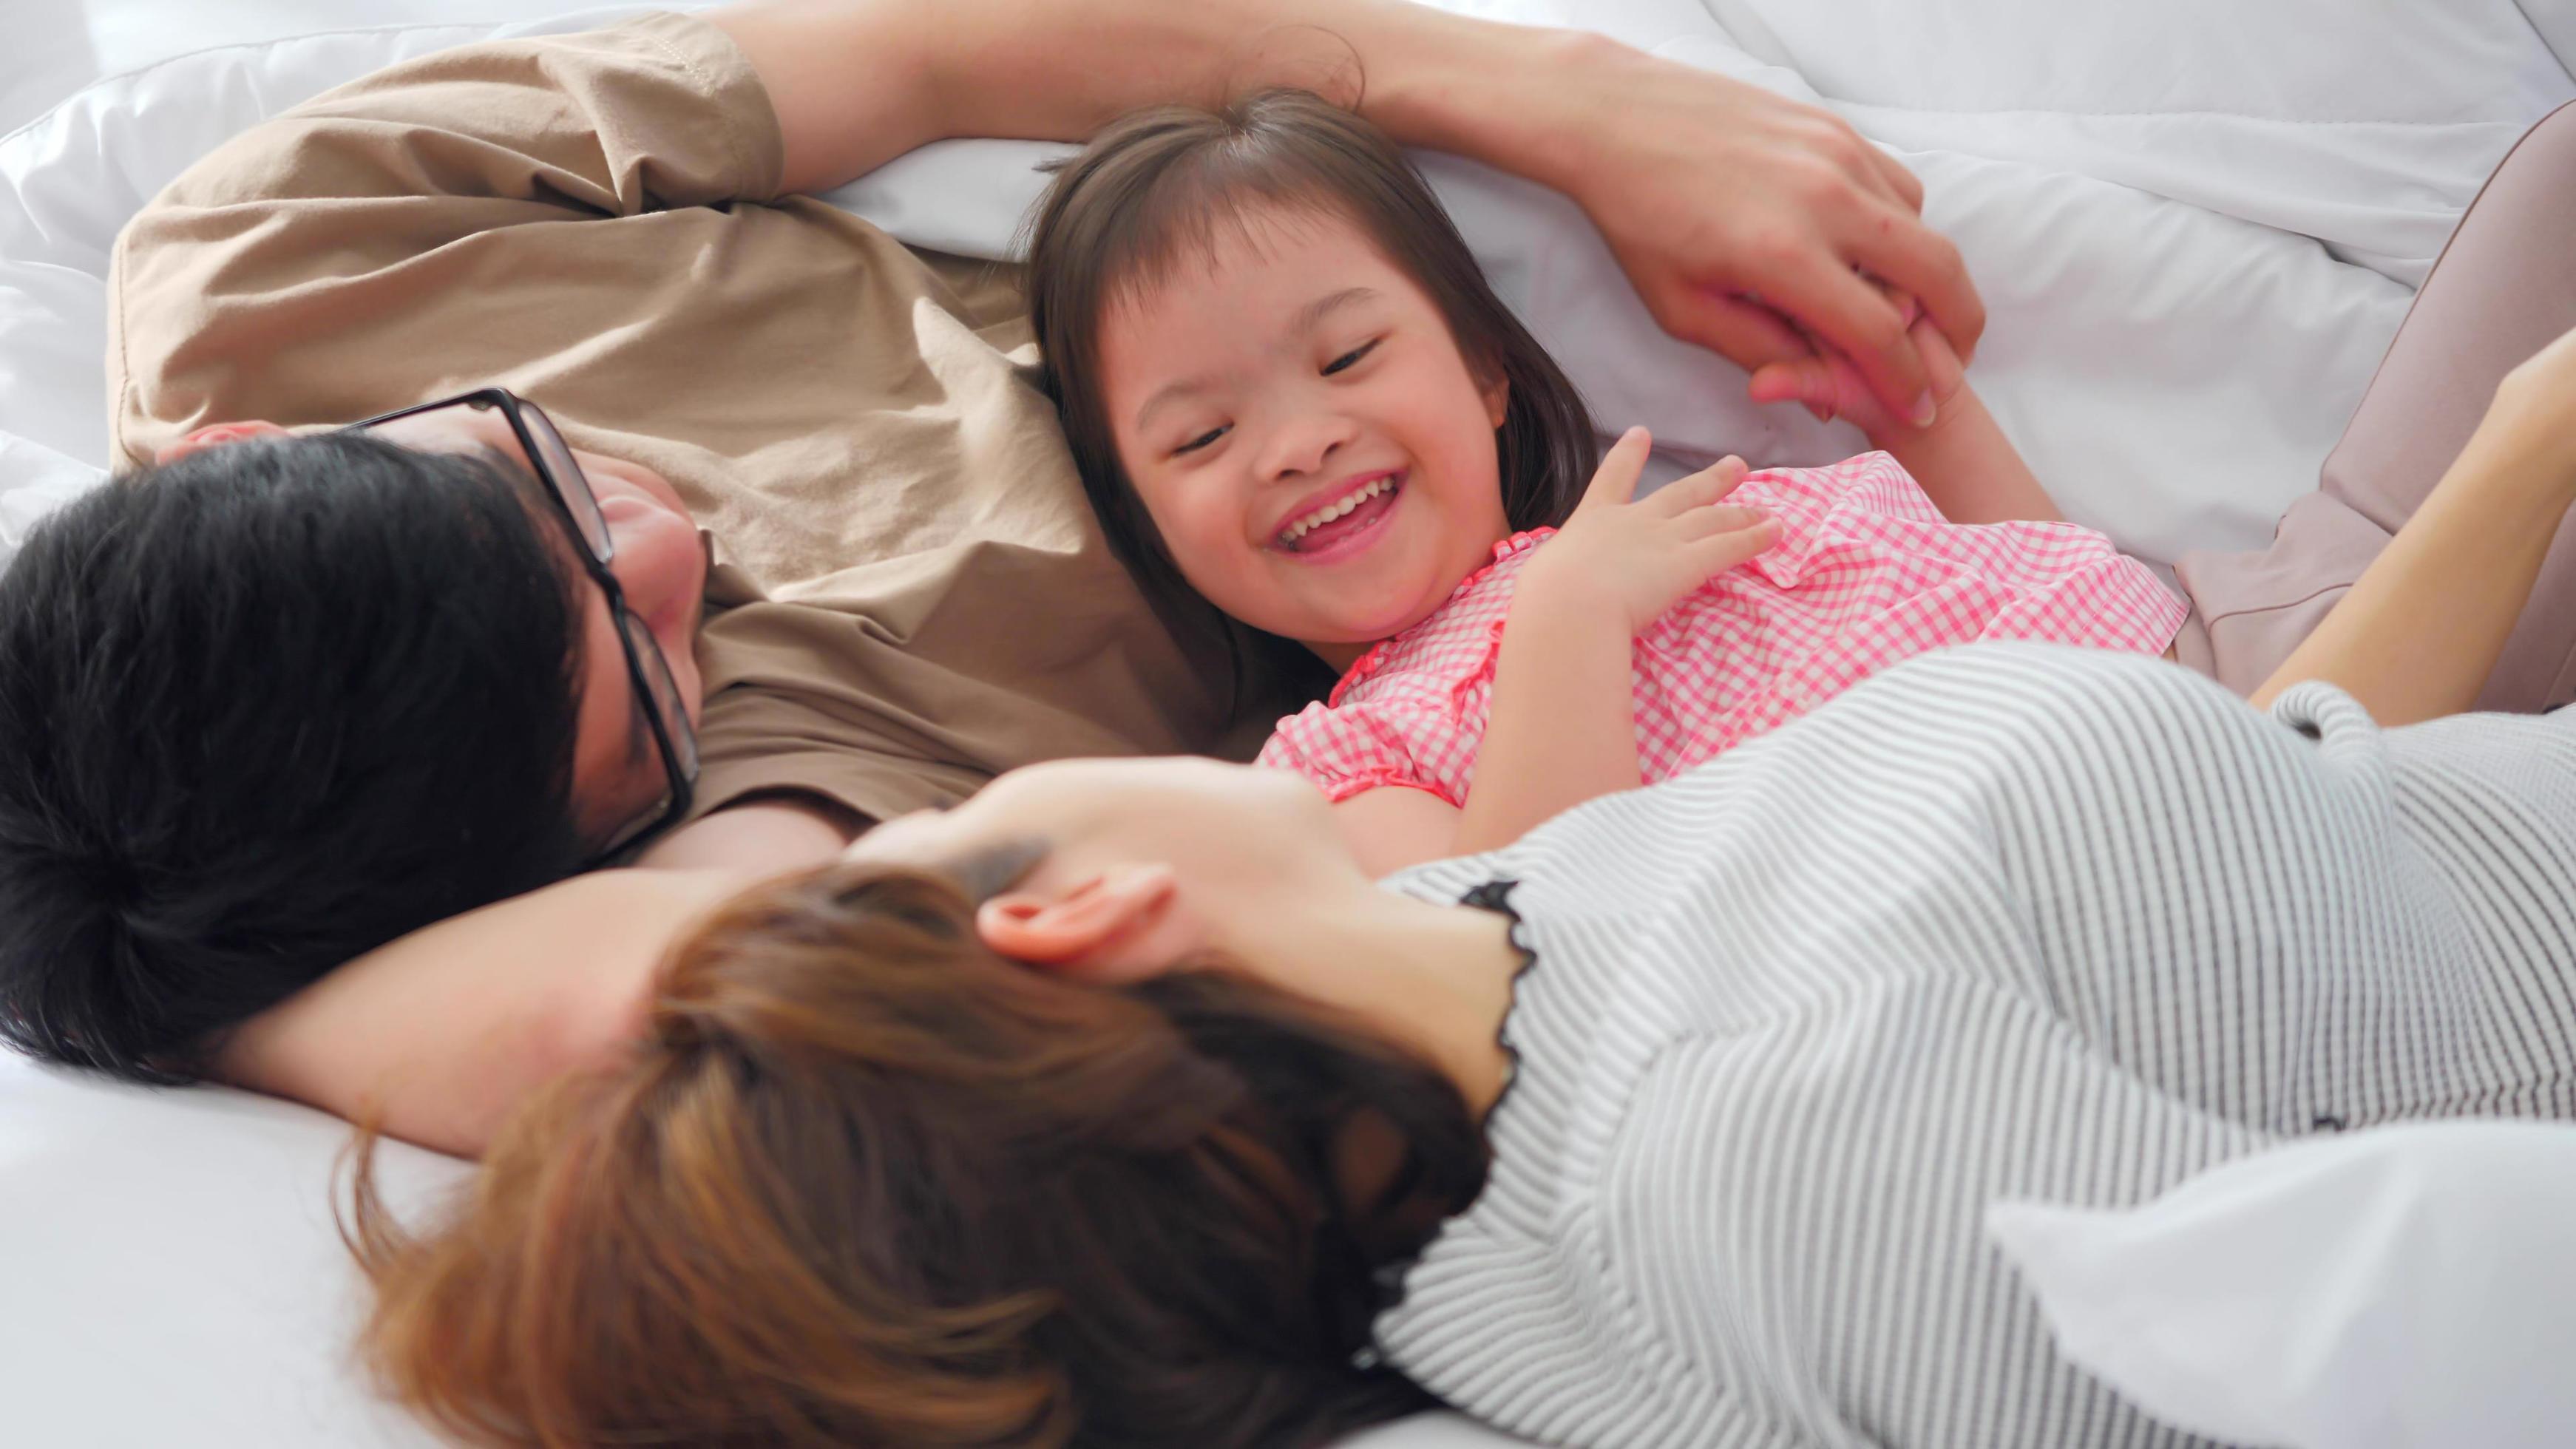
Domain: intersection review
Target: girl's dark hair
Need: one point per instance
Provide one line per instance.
(870, 1184)
(1155, 186)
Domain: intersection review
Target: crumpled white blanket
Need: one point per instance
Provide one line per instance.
(2196, 225)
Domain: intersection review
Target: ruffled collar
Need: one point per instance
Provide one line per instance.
(1375, 659)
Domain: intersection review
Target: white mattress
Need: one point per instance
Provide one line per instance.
(2196, 225)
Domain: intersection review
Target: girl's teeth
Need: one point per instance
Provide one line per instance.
(1331, 511)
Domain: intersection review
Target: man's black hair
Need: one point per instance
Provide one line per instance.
(262, 710)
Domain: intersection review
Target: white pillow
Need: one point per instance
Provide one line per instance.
(2398, 1288)
(2174, 370)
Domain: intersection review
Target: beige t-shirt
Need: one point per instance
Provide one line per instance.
(912, 595)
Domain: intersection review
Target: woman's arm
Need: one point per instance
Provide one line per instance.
(438, 1035)
(1962, 459)
(2419, 632)
(1709, 191)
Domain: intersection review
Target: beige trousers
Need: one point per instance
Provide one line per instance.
(2503, 288)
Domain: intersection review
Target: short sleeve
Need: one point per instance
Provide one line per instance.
(2088, 595)
(343, 253)
(1362, 745)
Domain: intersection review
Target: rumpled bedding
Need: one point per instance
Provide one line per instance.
(2196, 225)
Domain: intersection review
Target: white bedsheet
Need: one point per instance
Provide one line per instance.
(2196, 225)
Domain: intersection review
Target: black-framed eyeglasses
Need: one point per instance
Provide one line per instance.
(657, 692)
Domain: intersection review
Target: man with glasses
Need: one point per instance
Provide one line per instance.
(301, 695)
(663, 709)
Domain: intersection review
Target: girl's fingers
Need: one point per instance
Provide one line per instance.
(1616, 479)
(1719, 552)
(1808, 380)
(1697, 490)
(1938, 359)
(1719, 518)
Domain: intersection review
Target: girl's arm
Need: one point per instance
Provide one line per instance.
(1962, 459)
(1562, 731)
(1563, 726)
(1967, 467)
(2419, 632)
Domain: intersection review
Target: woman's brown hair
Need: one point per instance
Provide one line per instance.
(1154, 188)
(868, 1183)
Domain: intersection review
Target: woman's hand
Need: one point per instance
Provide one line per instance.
(1635, 558)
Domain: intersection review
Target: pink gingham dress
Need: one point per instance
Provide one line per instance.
(1866, 572)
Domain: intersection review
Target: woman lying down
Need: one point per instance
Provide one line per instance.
(1118, 1106)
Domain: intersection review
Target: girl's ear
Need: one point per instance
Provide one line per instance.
(1072, 928)
(1498, 398)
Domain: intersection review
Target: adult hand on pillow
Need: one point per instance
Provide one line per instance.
(1749, 222)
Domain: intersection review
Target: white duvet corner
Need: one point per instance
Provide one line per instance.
(2394, 1288)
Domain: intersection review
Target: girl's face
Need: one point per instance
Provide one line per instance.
(1319, 457)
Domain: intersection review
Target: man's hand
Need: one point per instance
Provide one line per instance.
(1747, 221)
(1831, 386)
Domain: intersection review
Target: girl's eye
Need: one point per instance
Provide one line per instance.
(1349, 358)
(1201, 441)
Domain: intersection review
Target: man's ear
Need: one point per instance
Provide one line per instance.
(215, 436)
(1076, 925)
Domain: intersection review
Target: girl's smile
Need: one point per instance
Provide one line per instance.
(1317, 454)
(1345, 522)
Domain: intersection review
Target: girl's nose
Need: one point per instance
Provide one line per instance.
(1305, 445)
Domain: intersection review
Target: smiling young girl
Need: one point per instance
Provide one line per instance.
(1294, 399)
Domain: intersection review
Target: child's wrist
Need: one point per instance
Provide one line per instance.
(1562, 595)
(1952, 416)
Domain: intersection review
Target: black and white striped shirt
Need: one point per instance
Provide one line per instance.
(2008, 921)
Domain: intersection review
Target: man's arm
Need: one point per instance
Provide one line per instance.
(1709, 191)
(435, 1037)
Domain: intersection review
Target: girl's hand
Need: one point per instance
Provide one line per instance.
(1634, 557)
(1832, 387)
